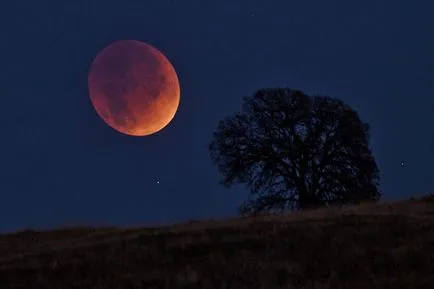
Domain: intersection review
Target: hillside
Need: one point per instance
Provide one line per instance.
(364, 246)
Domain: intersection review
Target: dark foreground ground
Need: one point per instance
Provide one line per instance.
(365, 246)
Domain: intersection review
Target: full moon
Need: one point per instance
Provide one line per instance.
(134, 88)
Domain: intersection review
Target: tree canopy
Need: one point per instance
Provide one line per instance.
(294, 151)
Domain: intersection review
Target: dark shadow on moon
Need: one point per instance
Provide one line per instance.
(117, 104)
(123, 77)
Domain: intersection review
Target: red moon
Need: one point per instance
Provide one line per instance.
(134, 88)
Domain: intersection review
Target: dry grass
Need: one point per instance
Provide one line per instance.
(363, 246)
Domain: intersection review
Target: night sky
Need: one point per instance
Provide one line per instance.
(62, 165)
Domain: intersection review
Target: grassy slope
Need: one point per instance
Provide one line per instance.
(366, 246)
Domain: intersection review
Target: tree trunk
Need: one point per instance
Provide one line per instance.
(307, 199)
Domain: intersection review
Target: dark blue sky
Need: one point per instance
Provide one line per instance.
(61, 164)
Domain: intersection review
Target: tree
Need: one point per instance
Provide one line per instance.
(294, 151)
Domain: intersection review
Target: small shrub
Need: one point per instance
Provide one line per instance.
(429, 198)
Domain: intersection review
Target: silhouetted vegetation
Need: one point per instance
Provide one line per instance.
(429, 198)
(294, 151)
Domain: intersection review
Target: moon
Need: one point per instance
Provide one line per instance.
(134, 88)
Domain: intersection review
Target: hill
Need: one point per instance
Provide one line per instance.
(363, 246)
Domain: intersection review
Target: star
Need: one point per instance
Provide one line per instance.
(158, 182)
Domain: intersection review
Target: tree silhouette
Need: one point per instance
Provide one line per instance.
(294, 151)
